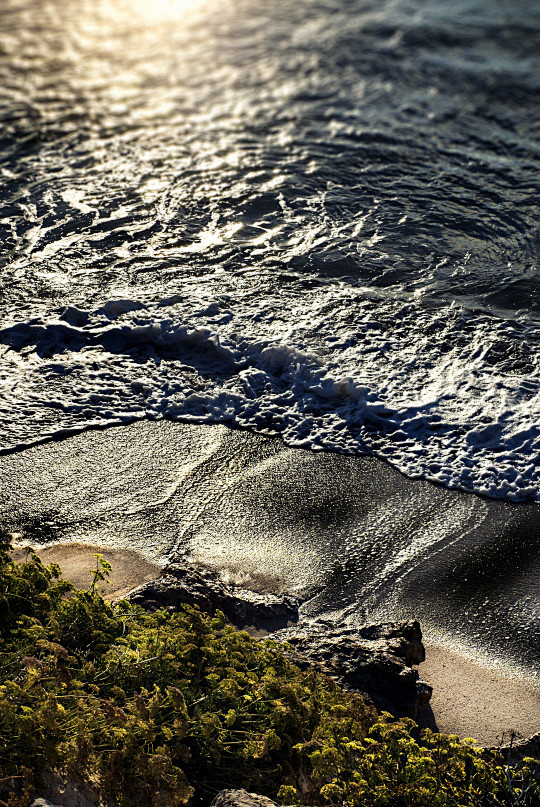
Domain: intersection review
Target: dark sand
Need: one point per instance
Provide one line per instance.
(350, 535)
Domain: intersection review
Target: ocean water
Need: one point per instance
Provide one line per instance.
(318, 220)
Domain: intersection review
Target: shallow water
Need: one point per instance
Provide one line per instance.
(316, 219)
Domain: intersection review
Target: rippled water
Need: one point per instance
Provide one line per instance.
(316, 219)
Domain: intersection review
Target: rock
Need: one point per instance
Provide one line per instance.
(188, 583)
(375, 661)
(71, 791)
(241, 798)
(70, 798)
(515, 751)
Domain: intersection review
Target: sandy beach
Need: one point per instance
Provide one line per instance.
(270, 319)
(473, 700)
(469, 699)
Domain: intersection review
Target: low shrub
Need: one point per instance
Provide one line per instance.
(159, 709)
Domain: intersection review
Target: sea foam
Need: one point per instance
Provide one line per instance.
(444, 414)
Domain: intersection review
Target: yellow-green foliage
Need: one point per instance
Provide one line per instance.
(156, 707)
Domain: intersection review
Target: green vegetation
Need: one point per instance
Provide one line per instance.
(155, 709)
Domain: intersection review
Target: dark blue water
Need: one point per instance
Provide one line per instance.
(315, 219)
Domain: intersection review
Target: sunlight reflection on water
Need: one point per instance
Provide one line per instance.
(160, 11)
(340, 194)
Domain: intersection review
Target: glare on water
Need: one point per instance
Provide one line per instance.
(160, 10)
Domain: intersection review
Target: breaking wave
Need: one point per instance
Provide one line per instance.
(440, 415)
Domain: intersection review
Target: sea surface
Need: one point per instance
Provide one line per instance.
(314, 219)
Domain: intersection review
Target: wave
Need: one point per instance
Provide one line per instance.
(125, 361)
(318, 221)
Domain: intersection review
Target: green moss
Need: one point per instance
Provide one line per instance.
(157, 707)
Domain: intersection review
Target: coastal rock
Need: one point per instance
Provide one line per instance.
(70, 796)
(70, 791)
(374, 660)
(241, 798)
(515, 752)
(188, 583)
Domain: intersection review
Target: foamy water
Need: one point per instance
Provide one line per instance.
(316, 220)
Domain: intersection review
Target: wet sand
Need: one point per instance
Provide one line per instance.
(351, 536)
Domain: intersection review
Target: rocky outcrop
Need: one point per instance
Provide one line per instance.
(515, 751)
(188, 583)
(374, 660)
(241, 798)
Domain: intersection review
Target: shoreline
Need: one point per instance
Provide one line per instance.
(469, 699)
(350, 537)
